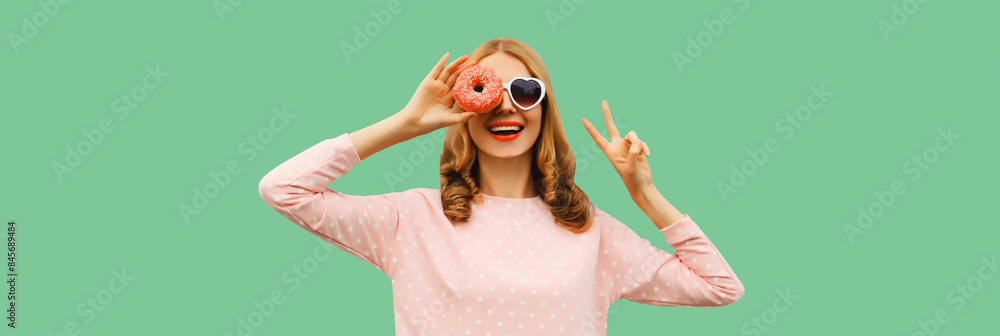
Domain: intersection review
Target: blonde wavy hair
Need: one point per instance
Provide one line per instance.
(553, 164)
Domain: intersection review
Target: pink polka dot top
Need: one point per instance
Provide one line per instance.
(510, 270)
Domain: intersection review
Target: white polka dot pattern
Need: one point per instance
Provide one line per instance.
(510, 270)
(364, 226)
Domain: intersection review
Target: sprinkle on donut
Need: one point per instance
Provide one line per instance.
(478, 89)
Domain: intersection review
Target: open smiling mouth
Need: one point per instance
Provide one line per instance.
(506, 133)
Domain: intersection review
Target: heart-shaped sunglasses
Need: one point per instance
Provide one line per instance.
(525, 92)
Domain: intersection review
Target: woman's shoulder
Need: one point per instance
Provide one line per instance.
(406, 203)
(417, 197)
(607, 223)
(599, 213)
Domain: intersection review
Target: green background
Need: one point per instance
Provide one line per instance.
(782, 230)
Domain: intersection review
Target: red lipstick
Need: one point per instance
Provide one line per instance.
(506, 137)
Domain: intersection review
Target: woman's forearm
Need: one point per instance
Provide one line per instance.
(378, 136)
(661, 212)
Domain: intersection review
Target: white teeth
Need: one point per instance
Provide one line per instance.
(506, 128)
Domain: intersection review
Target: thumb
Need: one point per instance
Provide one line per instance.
(633, 151)
(456, 118)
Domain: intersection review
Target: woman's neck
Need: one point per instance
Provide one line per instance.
(506, 177)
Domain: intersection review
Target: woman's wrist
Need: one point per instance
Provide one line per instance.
(403, 130)
(645, 197)
(656, 207)
(379, 136)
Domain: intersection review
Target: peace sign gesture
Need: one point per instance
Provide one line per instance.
(627, 155)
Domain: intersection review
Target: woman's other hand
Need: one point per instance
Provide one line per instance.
(627, 155)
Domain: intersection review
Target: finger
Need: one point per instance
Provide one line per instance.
(466, 116)
(612, 130)
(633, 151)
(456, 118)
(598, 138)
(451, 67)
(449, 100)
(631, 137)
(438, 67)
(454, 75)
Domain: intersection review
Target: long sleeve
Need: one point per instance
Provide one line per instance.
(696, 276)
(364, 226)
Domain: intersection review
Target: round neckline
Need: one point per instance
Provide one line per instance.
(488, 196)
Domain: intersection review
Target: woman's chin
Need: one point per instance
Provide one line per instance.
(499, 154)
(504, 150)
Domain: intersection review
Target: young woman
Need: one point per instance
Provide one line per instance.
(509, 244)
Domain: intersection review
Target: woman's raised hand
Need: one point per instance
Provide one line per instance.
(627, 155)
(430, 108)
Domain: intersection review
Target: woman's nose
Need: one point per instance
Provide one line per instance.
(505, 104)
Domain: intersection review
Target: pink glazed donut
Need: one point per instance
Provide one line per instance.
(478, 89)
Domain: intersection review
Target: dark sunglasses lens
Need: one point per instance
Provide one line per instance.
(526, 92)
